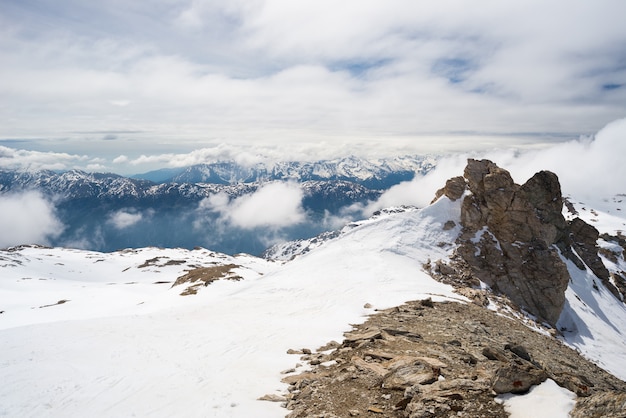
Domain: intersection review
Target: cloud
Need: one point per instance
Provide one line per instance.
(121, 159)
(124, 218)
(27, 218)
(588, 168)
(275, 205)
(12, 159)
(402, 73)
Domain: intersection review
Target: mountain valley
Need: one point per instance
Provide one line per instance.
(437, 327)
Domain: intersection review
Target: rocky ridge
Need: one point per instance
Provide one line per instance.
(513, 237)
(426, 359)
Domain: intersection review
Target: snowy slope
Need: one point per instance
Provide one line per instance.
(142, 350)
(593, 320)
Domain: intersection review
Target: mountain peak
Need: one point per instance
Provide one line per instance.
(513, 237)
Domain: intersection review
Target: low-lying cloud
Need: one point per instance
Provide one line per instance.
(588, 168)
(122, 219)
(27, 218)
(274, 205)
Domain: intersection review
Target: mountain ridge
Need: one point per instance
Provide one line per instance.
(374, 174)
(227, 329)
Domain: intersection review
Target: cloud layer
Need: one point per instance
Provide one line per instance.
(27, 218)
(122, 219)
(275, 205)
(588, 168)
(419, 75)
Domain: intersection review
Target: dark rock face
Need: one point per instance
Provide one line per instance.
(454, 189)
(509, 237)
(584, 239)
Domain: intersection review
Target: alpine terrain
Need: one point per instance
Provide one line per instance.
(497, 299)
(190, 206)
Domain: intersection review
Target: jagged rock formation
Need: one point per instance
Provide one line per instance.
(512, 235)
(617, 277)
(426, 359)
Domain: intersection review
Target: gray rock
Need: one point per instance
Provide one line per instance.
(514, 378)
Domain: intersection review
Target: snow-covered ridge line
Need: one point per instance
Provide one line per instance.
(140, 348)
(374, 173)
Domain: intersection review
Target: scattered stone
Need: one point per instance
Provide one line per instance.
(601, 404)
(407, 376)
(273, 398)
(375, 410)
(427, 302)
(368, 306)
(494, 354)
(375, 368)
(514, 378)
(449, 225)
(432, 378)
(519, 351)
(367, 335)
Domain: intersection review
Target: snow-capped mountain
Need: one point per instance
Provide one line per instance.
(167, 214)
(374, 174)
(165, 332)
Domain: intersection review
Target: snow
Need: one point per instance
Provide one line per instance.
(547, 400)
(592, 319)
(125, 343)
(121, 349)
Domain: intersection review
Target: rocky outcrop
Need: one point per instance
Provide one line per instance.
(513, 237)
(584, 238)
(426, 359)
(509, 237)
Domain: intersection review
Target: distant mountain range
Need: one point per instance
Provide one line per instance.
(165, 209)
(374, 174)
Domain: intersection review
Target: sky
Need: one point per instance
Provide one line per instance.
(126, 86)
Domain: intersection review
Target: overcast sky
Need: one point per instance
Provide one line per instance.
(98, 84)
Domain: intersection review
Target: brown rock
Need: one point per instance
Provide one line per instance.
(509, 237)
(455, 187)
(514, 378)
(407, 376)
(601, 405)
(375, 368)
(367, 335)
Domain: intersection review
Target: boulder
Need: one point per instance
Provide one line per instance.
(510, 234)
(514, 378)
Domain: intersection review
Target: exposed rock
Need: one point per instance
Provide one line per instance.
(585, 242)
(454, 189)
(515, 378)
(494, 354)
(509, 236)
(519, 350)
(410, 375)
(273, 398)
(601, 405)
(396, 376)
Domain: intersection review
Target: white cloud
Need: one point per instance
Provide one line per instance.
(13, 159)
(27, 218)
(360, 73)
(588, 168)
(274, 205)
(121, 159)
(123, 218)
